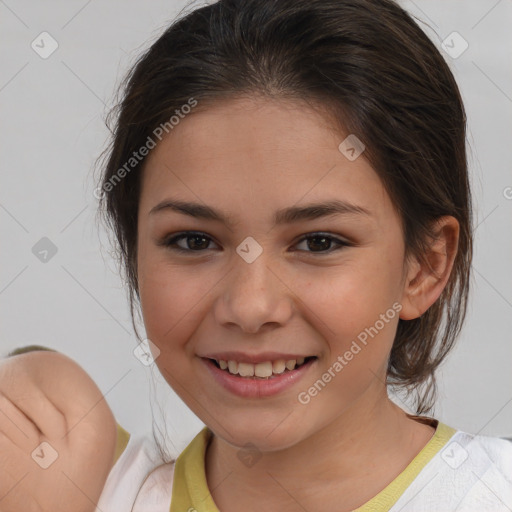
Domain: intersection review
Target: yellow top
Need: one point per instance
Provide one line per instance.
(190, 489)
(121, 441)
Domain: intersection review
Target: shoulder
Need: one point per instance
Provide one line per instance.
(139, 481)
(480, 471)
(469, 473)
(156, 492)
(481, 453)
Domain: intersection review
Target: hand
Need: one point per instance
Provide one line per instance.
(53, 416)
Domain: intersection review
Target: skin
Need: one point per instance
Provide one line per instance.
(250, 157)
(45, 397)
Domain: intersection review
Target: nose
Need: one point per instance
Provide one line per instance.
(254, 296)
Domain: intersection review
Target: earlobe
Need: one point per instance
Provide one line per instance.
(426, 278)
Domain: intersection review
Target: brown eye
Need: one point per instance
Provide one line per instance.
(193, 242)
(322, 243)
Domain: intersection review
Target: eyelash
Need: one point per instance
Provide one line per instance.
(171, 242)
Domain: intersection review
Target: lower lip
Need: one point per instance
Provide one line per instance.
(248, 387)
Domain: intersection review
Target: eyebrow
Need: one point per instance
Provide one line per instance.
(284, 216)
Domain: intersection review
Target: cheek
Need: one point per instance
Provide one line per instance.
(164, 302)
(167, 300)
(172, 299)
(353, 311)
(350, 298)
(357, 320)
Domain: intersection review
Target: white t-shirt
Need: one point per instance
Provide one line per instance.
(470, 473)
(138, 482)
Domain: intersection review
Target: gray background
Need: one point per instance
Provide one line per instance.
(52, 130)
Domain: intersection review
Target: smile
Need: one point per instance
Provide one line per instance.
(263, 370)
(265, 377)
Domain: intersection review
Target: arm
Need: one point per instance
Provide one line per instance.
(57, 435)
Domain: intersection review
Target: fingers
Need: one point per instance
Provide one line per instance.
(48, 398)
(25, 405)
(16, 426)
(42, 412)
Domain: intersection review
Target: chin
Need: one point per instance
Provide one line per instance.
(272, 435)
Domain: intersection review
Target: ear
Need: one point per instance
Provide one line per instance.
(426, 280)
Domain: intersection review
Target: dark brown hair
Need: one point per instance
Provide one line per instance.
(374, 71)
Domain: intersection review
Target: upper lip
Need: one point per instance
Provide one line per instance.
(243, 357)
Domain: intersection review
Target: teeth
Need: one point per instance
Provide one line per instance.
(233, 367)
(261, 370)
(291, 364)
(279, 366)
(245, 369)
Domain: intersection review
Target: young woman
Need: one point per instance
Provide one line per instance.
(287, 183)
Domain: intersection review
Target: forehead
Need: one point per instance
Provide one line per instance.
(257, 153)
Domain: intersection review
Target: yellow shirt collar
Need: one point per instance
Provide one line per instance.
(190, 489)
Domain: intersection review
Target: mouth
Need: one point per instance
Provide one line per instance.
(260, 375)
(264, 370)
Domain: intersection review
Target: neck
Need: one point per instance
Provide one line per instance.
(352, 458)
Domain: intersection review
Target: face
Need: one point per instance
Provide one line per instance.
(255, 279)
